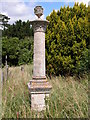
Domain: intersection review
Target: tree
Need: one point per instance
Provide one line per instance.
(67, 38)
(18, 51)
(3, 21)
(19, 29)
(10, 47)
(26, 51)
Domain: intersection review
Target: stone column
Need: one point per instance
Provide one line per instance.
(39, 87)
(39, 27)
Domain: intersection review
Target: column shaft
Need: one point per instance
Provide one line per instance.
(39, 54)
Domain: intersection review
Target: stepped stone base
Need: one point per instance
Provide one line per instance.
(39, 89)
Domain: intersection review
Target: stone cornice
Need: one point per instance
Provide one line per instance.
(39, 25)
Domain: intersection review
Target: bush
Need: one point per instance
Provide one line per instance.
(67, 38)
(26, 51)
(84, 64)
(18, 51)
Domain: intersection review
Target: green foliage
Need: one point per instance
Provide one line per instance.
(65, 99)
(0, 48)
(18, 51)
(67, 40)
(26, 51)
(19, 29)
(68, 97)
(17, 43)
(84, 64)
(10, 47)
(67, 37)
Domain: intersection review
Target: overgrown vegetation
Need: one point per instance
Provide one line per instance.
(67, 41)
(18, 51)
(19, 29)
(68, 98)
(67, 53)
(17, 43)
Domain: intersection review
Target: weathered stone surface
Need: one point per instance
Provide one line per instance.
(39, 77)
(39, 54)
(39, 27)
(39, 87)
(38, 10)
(39, 90)
(40, 99)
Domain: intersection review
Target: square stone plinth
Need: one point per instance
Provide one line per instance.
(38, 101)
(39, 90)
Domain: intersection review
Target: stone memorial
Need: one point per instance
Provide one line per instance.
(39, 87)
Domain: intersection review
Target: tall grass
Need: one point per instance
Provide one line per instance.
(68, 97)
(0, 95)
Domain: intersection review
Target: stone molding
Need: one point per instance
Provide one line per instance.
(39, 86)
(38, 77)
(39, 25)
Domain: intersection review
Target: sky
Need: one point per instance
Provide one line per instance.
(24, 9)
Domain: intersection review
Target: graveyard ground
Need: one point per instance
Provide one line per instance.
(68, 98)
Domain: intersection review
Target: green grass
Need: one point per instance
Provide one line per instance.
(0, 96)
(68, 97)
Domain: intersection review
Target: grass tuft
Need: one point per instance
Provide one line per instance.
(68, 98)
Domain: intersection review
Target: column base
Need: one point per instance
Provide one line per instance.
(39, 89)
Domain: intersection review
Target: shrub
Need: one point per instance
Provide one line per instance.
(67, 38)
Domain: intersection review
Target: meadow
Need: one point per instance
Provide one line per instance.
(68, 97)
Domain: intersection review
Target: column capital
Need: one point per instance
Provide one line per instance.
(39, 25)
